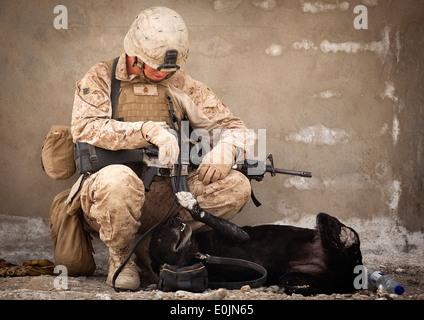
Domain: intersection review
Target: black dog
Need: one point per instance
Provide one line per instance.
(305, 261)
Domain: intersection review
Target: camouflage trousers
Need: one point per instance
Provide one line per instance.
(116, 205)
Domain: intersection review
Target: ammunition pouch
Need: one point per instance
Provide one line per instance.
(57, 153)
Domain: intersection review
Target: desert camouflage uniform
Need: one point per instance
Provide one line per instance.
(113, 199)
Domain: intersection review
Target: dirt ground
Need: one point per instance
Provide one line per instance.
(407, 269)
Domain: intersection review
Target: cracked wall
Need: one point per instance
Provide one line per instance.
(344, 103)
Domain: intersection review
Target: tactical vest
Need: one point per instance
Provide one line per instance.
(143, 101)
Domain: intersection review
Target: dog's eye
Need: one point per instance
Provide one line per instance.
(159, 240)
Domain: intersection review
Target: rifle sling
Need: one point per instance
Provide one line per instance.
(253, 197)
(115, 88)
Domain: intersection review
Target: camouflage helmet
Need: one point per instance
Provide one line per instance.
(159, 38)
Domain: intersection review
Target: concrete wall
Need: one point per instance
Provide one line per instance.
(344, 103)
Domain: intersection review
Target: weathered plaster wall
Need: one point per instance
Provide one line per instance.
(346, 104)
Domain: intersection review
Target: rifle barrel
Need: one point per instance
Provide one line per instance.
(305, 174)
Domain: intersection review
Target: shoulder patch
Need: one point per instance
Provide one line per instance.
(85, 91)
(91, 94)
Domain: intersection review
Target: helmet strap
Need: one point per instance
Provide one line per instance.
(170, 74)
(135, 62)
(141, 65)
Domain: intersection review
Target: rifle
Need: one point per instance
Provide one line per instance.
(90, 159)
(255, 170)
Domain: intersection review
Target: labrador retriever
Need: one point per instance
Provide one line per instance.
(301, 260)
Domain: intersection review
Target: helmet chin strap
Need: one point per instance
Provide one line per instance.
(141, 64)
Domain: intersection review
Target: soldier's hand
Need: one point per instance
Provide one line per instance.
(164, 140)
(217, 163)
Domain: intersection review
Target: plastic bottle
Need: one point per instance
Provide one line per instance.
(377, 278)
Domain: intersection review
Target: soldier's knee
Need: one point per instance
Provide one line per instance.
(120, 179)
(118, 189)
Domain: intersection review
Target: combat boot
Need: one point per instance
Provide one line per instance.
(128, 278)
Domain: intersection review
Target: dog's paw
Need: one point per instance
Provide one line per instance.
(186, 199)
(347, 237)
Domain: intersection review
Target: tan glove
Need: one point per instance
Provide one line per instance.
(217, 163)
(164, 140)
